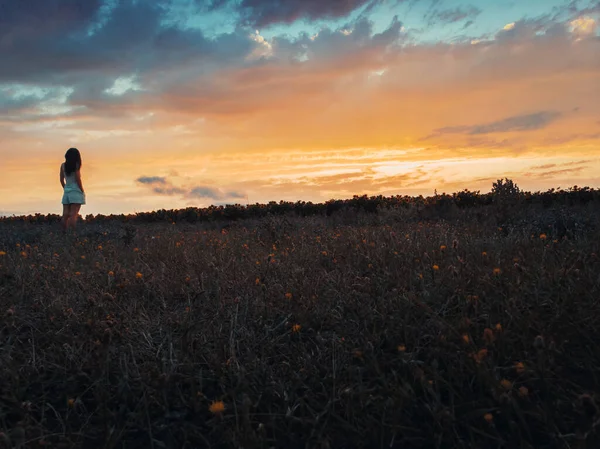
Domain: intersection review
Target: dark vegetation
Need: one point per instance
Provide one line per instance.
(456, 321)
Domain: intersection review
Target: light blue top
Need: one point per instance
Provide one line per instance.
(72, 193)
(71, 182)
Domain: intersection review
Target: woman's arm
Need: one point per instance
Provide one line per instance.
(78, 179)
(62, 175)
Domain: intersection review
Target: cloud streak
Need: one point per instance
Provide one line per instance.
(520, 123)
(262, 13)
(160, 185)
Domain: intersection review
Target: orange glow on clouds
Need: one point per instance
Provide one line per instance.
(375, 116)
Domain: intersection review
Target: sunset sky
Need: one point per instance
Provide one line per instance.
(181, 103)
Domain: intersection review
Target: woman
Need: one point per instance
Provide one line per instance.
(74, 195)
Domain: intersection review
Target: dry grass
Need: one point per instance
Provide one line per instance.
(298, 333)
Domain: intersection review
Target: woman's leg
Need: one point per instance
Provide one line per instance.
(65, 217)
(74, 213)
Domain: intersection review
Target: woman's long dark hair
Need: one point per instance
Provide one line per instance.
(72, 160)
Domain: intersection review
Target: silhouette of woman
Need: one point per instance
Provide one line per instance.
(74, 195)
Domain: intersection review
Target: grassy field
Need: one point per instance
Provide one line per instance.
(363, 331)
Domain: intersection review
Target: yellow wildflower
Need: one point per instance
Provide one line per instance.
(288, 296)
(488, 417)
(296, 328)
(499, 327)
(466, 339)
(100, 247)
(139, 275)
(506, 384)
(543, 236)
(77, 273)
(111, 273)
(480, 355)
(401, 348)
(523, 391)
(497, 271)
(484, 253)
(436, 268)
(217, 407)
(488, 335)
(443, 247)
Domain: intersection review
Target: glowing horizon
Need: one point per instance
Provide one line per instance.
(190, 103)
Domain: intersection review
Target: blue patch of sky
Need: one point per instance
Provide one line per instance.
(414, 15)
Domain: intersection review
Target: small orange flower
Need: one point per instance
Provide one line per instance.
(71, 402)
(324, 253)
(2, 253)
(499, 327)
(23, 253)
(82, 257)
(506, 384)
(443, 248)
(436, 268)
(217, 407)
(111, 273)
(257, 281)
(288, 296)
(466, 339)
(484, 253)
(488, 335)
(77, 273)
(296, 328)
(139, 275)
(523, 391)
(520, 367)
(100, 247)
(489, 417)
(543, 236)
(480, 355)
(401, 348)
(497, 271)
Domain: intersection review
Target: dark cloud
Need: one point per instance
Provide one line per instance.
(162, 186)
(91, 50)
(526, 122)
(31, 19)
(454, 15)
(214, 193)
(261, 13)
(152, 180)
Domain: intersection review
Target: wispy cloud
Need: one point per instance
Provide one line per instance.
(152, 180)
(261, 13)
(458, 14)
(160, 185)
(518, 123)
